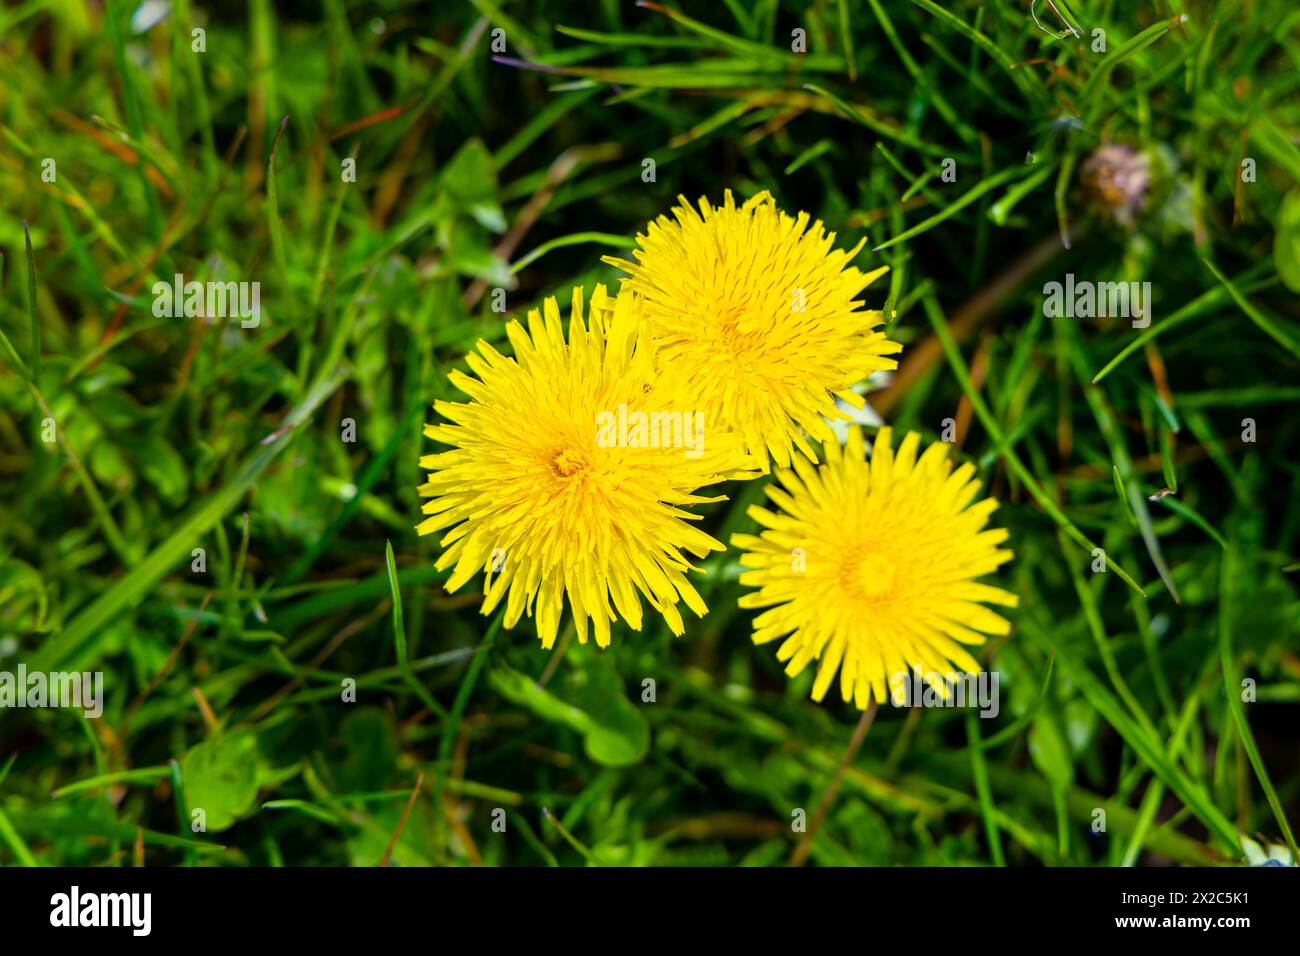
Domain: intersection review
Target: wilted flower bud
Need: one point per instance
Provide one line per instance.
(1118, 178)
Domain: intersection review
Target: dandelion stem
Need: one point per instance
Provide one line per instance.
(401, 824)
(828, 796)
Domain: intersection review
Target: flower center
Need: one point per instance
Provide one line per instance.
(876, 575)
(568, 463)
(738, 338)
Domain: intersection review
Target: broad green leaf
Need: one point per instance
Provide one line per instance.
(161, 466)
(470, 180)
(591, 700)
(221, 778)
(1286, 244)
(621, 734)
(1050, 751)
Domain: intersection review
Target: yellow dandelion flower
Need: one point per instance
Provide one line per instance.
(766, 312)
(569, 473)
(870, 567)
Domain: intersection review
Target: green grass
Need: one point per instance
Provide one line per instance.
(227, 688)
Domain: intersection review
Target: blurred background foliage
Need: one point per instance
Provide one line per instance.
(1162, 149)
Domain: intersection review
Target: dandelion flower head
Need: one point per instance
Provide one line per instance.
(766, 311)
(869, 568)
(556, 487)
